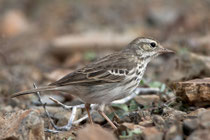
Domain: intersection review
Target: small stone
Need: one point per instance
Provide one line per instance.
(97, 118)
(146, 123)
(189, 125)
(200, 135)
(132, 126)
(174, 133)
(173, 114)
(197, 112)
(205, 119)
(147, 99)
(151, 133)
(158, 121)
(62, 117)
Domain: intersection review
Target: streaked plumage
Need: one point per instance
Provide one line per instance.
(109, 78)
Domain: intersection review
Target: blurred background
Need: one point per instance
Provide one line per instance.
(42, 40)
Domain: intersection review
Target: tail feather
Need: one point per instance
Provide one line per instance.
(32, 91)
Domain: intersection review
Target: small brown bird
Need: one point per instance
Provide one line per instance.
(110, 78)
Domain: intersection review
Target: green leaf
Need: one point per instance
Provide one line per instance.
(133, 105)
(136, 131)
(142, 82)
(162, 87)
(89, 56)
(121, 106)
(111, 115)
(124, 136)
(155, 84)
(130, 133)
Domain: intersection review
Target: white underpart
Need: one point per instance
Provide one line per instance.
(127, 89)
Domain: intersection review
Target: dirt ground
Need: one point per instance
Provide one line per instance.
(41, 41)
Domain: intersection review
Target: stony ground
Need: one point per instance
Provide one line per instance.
(41, 41)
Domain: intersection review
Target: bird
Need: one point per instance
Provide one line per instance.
(109, 78)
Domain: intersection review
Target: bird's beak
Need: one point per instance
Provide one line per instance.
(164, 50)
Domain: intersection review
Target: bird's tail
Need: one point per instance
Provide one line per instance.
(31, 91)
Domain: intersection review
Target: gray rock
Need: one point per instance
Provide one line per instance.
(205, 119)
(189, 125)
(158, 121)
(200, 135)
(174, 133)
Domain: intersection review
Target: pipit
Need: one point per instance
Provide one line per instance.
(110, 78)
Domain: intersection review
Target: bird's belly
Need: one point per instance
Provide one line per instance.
(107, 93)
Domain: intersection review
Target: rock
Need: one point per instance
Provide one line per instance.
(203, 42)
(174, 114)
(151, 133)
(146, 123)
(200, 135)
(205, 119)
(14, 16)
(62, 117)
(158, 121)
(133, 117)
(97, 118)
(183, 66)
(197, 112)
(174, 133)
(132, 126)
(95, 132)
(194, 92)
(189, 125)
(147, 99)
(22, 125)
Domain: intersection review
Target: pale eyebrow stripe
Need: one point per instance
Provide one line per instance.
(147, 40)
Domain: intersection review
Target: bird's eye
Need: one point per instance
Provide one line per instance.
(153, 44)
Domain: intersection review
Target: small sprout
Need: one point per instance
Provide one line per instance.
(133, 105)
(124, 107)
(90, 56)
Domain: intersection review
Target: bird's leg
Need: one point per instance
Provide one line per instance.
(87, 107)
(101, 112)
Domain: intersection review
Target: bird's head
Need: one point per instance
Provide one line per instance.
(146, 48)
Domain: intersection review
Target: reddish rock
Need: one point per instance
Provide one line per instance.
(200, 135)
(95, 132)
(151, 133)
(195, 92)
(22, 125)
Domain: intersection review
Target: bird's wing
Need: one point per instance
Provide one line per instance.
(110, 69)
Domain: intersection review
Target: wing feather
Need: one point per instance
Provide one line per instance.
(99, 72)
